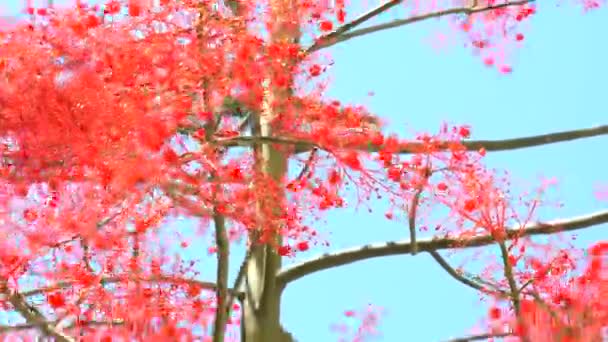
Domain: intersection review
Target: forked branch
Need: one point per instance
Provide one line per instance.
(333, 39)
(330, 38)
(339, 258)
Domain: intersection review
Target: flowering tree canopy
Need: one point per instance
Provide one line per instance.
(117, 120)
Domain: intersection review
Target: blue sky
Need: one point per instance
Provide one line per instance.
(558, 83)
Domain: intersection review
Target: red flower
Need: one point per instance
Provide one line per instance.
(470, 205)
(315, 70)
(464, 132)
(112, 7)
(30, 215)
(494, 313)
(326, 25)
(284, 250)
(56, 300)
(302, 246)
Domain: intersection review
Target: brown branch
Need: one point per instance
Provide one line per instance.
(238, 281)
(414, 208)
(461, 278)
(339, 258)
(221, 291)
(305, 170)
(31, 314)
(414, 19)
(113, 280)
(513, 287)
(481, 337)
(413, 147)
(328, 39)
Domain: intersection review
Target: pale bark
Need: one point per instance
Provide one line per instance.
(262, 295)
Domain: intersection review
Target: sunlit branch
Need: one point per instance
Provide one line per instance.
(31, 314)
(481, 337)
(113, 280)
(330, 38)
(410, 20)
(349, 256)
(301, 146)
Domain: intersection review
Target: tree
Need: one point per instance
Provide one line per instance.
(117, 120)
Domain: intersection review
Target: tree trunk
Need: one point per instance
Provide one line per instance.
(262, 295)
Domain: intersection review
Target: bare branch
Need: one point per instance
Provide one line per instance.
(113, 280)
(349, 256)
(461, 278)
(413, 147)
(330, 38)
(335, 39)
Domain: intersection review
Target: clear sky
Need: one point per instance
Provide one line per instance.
(558, 83)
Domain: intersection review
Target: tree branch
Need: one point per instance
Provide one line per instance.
(414, 208)
(461, 278)
(330, 38)
(240, 277)
(339, 258)
(113, 280)
(481, 337)
(31, 314)
(221, 292)
(513, 287)
(27, 326)
(338, 38)
(301, 145)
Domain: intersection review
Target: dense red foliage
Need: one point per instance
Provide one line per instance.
(104, 137)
